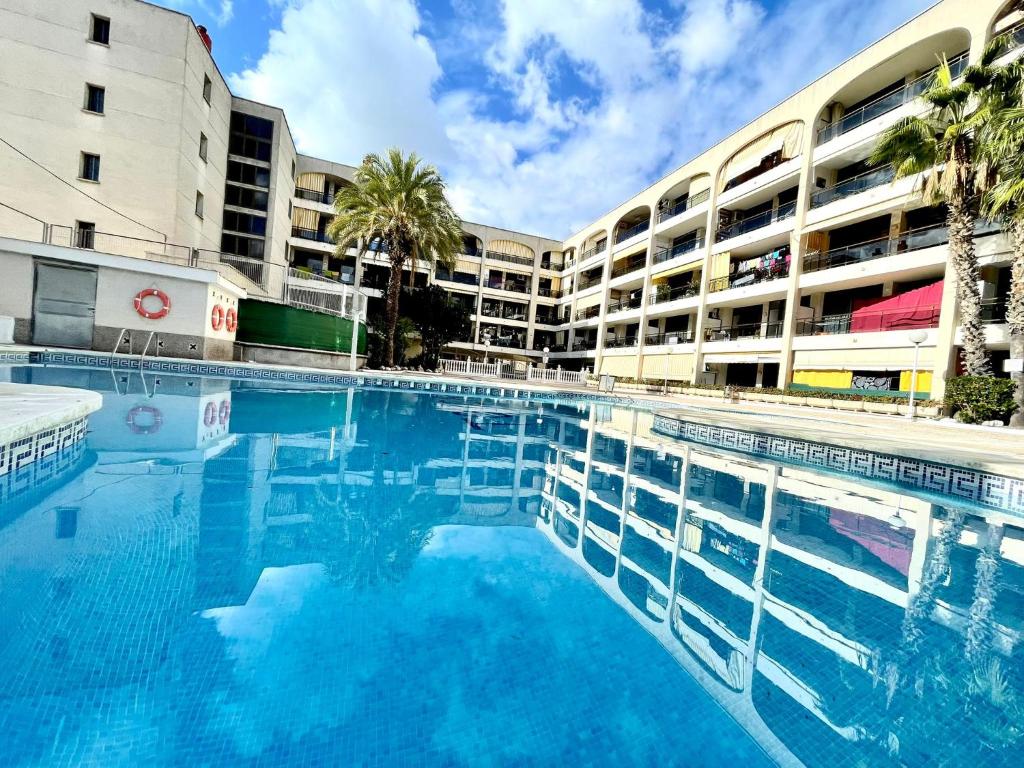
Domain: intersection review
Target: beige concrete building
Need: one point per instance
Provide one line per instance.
(777, 256)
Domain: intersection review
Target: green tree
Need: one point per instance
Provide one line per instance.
(941, 146)
(439, 318)
(399, 202)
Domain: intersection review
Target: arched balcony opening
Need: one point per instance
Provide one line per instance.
(594, 244)
(636, 222)
(509, 264)
(1009, 22)
(761, 156)
(683, 196)
(472, 245)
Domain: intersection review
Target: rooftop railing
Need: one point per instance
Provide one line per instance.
(897, 97)
(684, 205)
(756, 221)
(853, 186)
(670, 252)
(636, 229)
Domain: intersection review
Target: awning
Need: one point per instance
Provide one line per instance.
(689, 267)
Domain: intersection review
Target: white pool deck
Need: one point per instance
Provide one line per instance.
(27, 409)
(999, 450)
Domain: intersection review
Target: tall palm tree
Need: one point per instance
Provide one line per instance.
(400, 203)
(940, 145)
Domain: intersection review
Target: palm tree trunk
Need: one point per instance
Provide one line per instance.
(965, 265)
(391, 309)
(1015, 313)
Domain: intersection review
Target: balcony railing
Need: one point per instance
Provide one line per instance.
(669, 337)
(664, 293)
(315, 195)
(993, 311)
(509, 286)
(779, 269)
(550, 293)
(687, 246)
(588, 312)
(853, 186)
(599, 248)
(555, 266)
(616, 342)
(622, 305)
(757, 221)
(511, 258)
(897, 97)
(911, 240)
(547, 320)
(770, 330)
(867, 321)
(629, 265)
(458, 277)
(311, 234)
(684, 205)
(1013, 37)
(584, 345)
(589, 282)
(636, 229)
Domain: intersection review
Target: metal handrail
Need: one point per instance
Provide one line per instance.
(145, 349)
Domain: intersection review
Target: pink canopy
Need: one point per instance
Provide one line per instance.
(918, 308)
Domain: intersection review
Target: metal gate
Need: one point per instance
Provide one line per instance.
(64, 308)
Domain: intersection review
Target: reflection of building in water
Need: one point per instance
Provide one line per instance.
(807, 604)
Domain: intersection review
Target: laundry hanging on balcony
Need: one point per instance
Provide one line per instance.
(918, 308)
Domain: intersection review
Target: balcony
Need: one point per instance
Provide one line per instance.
(665, 254)
(504, 313)
(757, 221)
(626, 266)
(911, 240)
(867, 321)
(853, 186)
(547, 319)
(665, 294)
(685, 205)
(737, 331)
(993, 311)
(555, 266)
(589, 282)
(508, 285)
(1014, 38)
(459, 277)
(313, 195)
(510, 258)
(776, 271)
(636, 229)
(588, 312)
(311, 234)
(599, 248)
(669, 337)
(550, 293)
(584, 345)
(617, 342)
(622, 305)
(886, 103)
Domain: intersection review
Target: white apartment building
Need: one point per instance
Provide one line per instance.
(778, 256)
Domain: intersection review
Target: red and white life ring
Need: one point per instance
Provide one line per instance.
(146, 426)
(225, 412)
(231, 320)
(165, 303)
(217, 317)
(210, 414)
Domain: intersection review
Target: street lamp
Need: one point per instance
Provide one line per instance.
(916, 338)
(545, 357)
(487, 346)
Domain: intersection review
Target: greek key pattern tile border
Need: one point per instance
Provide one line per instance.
(997, 491)
(27, 462)
(14, 358)
(37, 475)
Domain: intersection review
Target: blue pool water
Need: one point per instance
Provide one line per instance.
(229, 575)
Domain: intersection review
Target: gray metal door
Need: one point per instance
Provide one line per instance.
(65, 306)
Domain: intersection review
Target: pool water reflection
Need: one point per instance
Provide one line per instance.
(361, 576)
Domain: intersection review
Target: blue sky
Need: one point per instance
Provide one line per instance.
(542, 114)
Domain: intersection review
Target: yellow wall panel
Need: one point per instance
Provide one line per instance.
(619, 365)
(680, 367)
(830, 379)
(891, 359)
(924, 381)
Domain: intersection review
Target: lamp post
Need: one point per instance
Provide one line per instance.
(917, 338)
(487, 346)
(545, 357)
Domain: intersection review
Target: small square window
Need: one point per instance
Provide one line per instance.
(203, 146)
(94, 97)
(199, 204)
(90, 170)
(207, 88)
(85, 234)
(100, 30)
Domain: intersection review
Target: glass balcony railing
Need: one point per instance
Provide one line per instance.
(636, 229)
(897, 97)
(911, 240)
(853, 186)
(663, 293)
(737, 331)
(757, 221)
(687, 246)
(684, 205)
(1013, 38)
(867, 321)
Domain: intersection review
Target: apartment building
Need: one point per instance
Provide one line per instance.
(778, 256)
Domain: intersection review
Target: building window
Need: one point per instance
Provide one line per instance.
(207, 88)
(251, 136)
(94, 95)
(100, 30)
(90, 170)
(199, 204)
(203, 146)
(85, 234)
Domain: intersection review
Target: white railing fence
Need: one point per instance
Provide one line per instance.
(514, 372)
(470, 368)
(556, 376)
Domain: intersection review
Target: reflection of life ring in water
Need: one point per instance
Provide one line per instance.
(225, 412)
(165, 303)
(144, 426)
(231, 320)
(217, 317)
(210, 416)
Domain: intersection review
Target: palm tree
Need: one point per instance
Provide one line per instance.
(399, 203)
(941, 145)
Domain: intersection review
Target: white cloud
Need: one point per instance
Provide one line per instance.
(360, 75)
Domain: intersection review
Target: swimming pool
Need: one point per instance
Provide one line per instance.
(239, 573)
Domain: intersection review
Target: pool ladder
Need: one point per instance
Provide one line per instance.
(142, 358)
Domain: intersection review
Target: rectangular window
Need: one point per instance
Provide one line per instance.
(244, 173)
(94, 96)
(241, 246)
(100, 30)
(246, 223)
(85, 234)
(203, 146)
(199, 204)
(207, 88)
(90, 170)
(245, 198)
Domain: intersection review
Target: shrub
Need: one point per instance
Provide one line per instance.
(974, 399)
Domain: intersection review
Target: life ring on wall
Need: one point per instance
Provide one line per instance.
(231, 320)
(225, 412)
(217, 317)
(144, 294)
(148, 427)
(210, 415)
